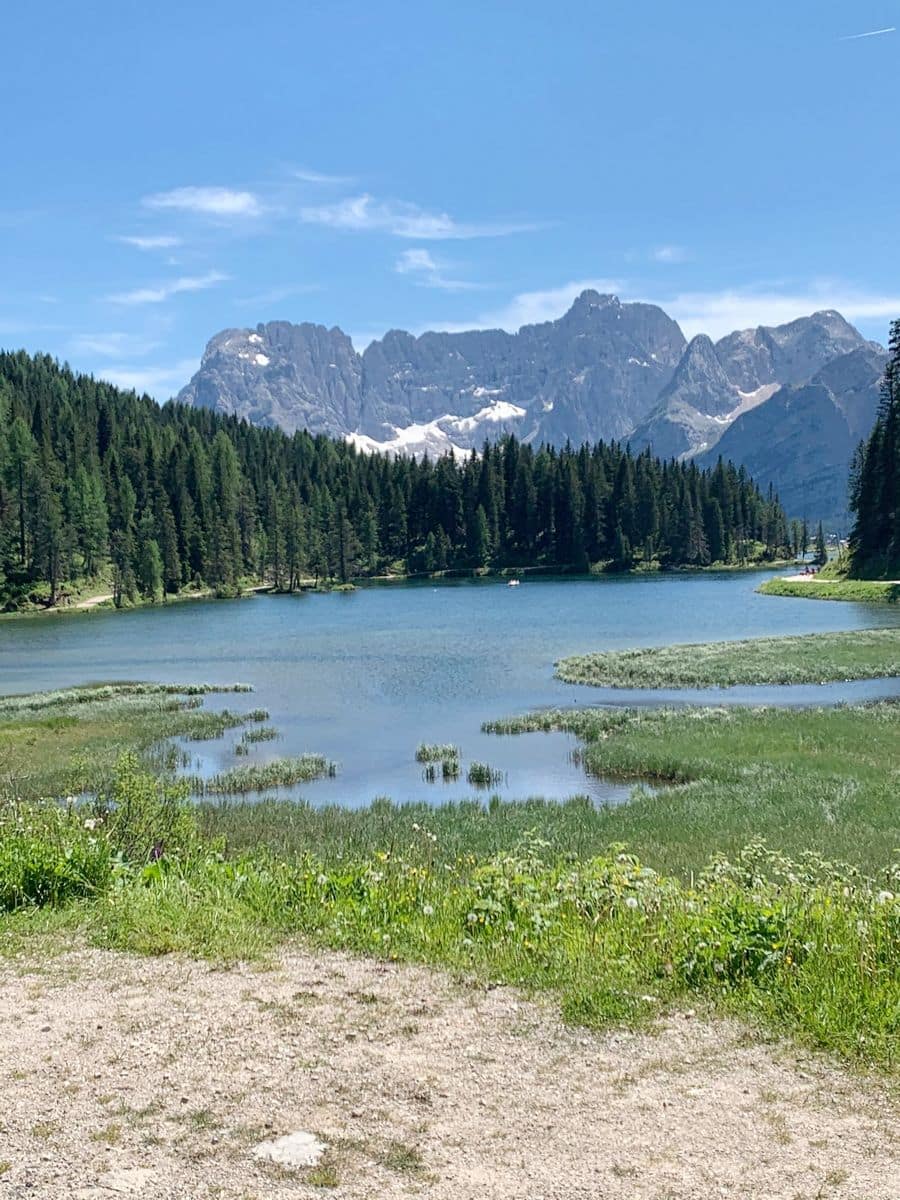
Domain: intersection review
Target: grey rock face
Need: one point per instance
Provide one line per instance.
(293, 376)
(714, 385)
(789, 353)
(694, 406)
(802, 439)
(593, 373)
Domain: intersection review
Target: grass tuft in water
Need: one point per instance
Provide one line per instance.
(260, 777)
(482, 775)
(427, 753)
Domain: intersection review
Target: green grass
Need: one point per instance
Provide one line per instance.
(263, 733)
(68, 742)
(805, 946)
(865, 591)
(813, 658)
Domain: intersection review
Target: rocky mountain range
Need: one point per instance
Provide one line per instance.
(605, 369)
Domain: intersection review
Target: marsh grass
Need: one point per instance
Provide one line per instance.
(265, 733)
(449, 771)
(67, 742)
(865, 591)
(812, 658)
(260, 777)
(820, 779)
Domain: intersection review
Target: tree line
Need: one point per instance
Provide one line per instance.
(875, 481)
(96, 482)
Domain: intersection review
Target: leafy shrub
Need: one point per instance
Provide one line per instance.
(50, 856)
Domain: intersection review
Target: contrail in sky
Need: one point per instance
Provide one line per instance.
(853, 37)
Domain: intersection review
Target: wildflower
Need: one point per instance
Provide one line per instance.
(91, 823)
(631, 902)
(884, 897)
(472, 918)
(428, 910)
(321, 880)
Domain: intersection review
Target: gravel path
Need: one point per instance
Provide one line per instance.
(157, 1078)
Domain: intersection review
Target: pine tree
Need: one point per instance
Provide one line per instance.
(149, 559)
(821, 555)
(875, 481)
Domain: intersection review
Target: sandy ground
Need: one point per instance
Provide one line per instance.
(93, 601)
(156, 1079)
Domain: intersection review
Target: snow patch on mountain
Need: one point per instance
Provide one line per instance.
(443, 435)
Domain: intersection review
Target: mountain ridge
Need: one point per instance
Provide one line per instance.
(605, 369)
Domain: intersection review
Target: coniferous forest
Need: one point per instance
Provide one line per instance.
(875, 482)
(99, 483)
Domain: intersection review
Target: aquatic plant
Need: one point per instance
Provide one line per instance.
(264, 733)
(427, 753)
(483, 775)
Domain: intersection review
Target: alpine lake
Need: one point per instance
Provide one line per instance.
(364, 677)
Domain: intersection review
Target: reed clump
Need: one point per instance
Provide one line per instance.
(261, 777)
(436, 753)
(483, 775)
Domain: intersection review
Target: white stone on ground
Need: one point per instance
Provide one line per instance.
(298, 1149)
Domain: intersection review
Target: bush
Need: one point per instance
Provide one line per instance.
(50, 856)
(51, 853)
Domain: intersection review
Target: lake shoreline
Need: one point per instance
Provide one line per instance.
(103, 603)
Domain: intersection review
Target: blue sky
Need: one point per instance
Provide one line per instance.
(174, 169)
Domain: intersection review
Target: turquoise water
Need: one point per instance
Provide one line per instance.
(364, 677)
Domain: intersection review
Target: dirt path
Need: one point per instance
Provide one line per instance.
(157, 1078)
(93, 601)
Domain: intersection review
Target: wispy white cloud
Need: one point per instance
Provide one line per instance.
(277, 294)
(162, 241)
(413, 262)
(427, 271)
(161, 382)
(365, 214)
(721, 312)
(173, 287)
(855, 37)
(669, 254)
(14, 327)
(306, 176)
(715, 312)
(207, 201)
(112, 345)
